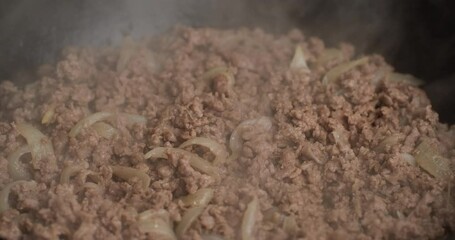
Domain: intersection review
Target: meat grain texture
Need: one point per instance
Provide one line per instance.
(320, 162)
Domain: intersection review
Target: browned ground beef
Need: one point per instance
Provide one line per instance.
(319, 162)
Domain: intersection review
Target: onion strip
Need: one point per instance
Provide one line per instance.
(404, 78)
(194, 160)
(156, 222)
(188, 218)
(202, 197)
(236, 142)
(40, 146)
(428, 158)
(335, 72)
(48, 115)
(89, 121)
(16, 169)
(127, 173)
(249, 219)
(298, 61)
(4, 195)
(216, 148)
(104, 130)
(68, 172)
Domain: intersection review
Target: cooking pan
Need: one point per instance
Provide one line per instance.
(415, 36)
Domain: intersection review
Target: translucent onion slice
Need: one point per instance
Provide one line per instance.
(195, 161)
(202, 197)
(336, 72)
(156, 223)
(89, 121)
(236, 142)
(329, 54)
(211, 74)
(4, 195)
(188, 218)
(290, 225)
(127, 173)
(16, 169)
(40, 146)
(104, 130)
(216, 148)
(428, 158)
(133, 118)
(388, 142)
(48, 115)
(408, 158)
(68, 172)
(404, 78)
(249, 219)
(298, 61)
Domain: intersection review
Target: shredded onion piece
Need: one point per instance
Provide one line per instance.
(4, 195)
(134, 118)
(216, 148)
(298, 61)
(40, 146)
(16, 169)
(48, 115)
(202, 197)
(335, 72)
(127, 173)
(408, 158)
(328, 55)
(404, 78)
(236, 142)
(188, 218)
(68, 172)
(89, 121)
(157, 223)
(388, 142)
(249, 219)
(290, 225)
(427, 157)
(194, 160)
(104, 130)
(212, 73)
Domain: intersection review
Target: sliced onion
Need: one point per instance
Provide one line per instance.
(427, 157)
(404, 78)
(249, 219)
(298, 61)
(194, 160)
(16, 169)
(290, 225)
(336, 72)
(236, 142)
(216, 148)
(127, 173)
(188, 218)
(328, 55)
(408, 158)
(104, 130)
(156, 223)
(133, 118)
(40, 146)
(211, 74)
(202, 197)
(4, 195)
(89, 121)
(388, 142)
(68, 172)
(48, 115)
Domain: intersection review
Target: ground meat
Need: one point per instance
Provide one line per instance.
(320, 163)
